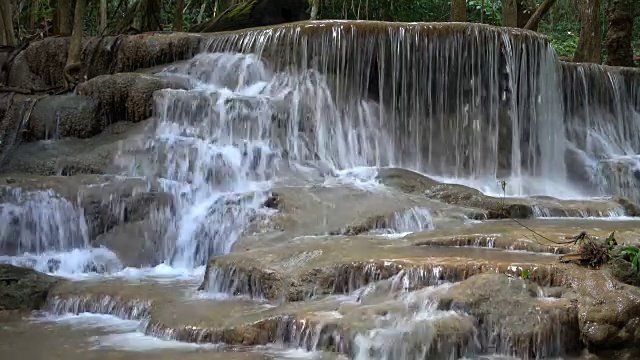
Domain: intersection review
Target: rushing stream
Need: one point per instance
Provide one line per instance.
(324, 105)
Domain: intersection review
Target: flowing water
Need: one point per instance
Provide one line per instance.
(326, 104)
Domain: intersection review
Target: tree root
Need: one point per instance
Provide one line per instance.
(72, 76)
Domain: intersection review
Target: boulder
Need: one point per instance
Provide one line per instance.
(24, 289)
(609, 310)
(137, 244)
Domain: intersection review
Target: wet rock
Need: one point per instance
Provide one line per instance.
(106, 201)
(609, 310)
(55, 117)
(497, 207)
(71, 156)
(512, 319)
(551, 236)
(24, 289)
(305, 268)
(320, 210)
(624, 271)
(137, 244)
(124, 96)
(406, 180)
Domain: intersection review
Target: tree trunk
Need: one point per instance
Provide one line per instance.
(314, 9)
(63, 17)
(178, 15)
(459, 10)
(143, 16)
(254, 13)
(590, 42)
(620, 21)
(7, 35)
(32, 21)
(541, 11)
(74, 56)
(103, 17)
(516, 13)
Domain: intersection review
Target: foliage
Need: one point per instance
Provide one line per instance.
(491, 13)
(632, 254)
(561, 24)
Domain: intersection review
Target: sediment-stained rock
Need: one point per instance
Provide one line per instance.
(320, 210)
(609, 311)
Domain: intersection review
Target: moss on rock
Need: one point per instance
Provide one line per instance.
(24, 289)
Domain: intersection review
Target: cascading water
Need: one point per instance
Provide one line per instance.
(602, 115)
(44, 231)
(40, 221)
(216, 147)
(468, 102)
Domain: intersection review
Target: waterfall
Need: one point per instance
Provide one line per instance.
(41, 221)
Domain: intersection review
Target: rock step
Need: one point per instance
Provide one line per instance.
(301, 269)
(552, 236)
(503, 207)
(441, 321)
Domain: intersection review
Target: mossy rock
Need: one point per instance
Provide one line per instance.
(41, 64)
(123, 96)
(623, 271)
(23, 289)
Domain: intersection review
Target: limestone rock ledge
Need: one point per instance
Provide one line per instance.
(498, 207)
(330, 265)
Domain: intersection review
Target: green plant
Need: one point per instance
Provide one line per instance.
(525, 274)
(611, 242)
(633, 255)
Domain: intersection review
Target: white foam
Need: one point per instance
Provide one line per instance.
(90, 321)
(76, 263)
(137, 341)
(122, 334)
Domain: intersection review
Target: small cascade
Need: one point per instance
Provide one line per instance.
(420, 331)
(37, 222)
(413, 220)
(602, 116)
(233, 281)
(44, 231)
(615, 211)
(103, 304)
